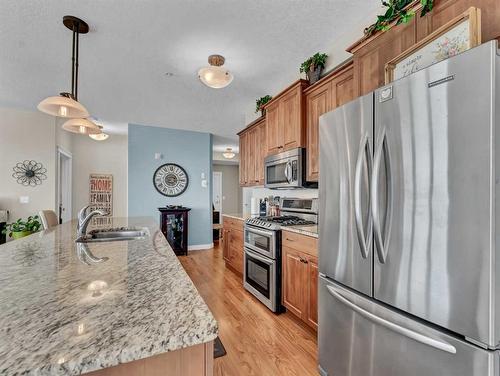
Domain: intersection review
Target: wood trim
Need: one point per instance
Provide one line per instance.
(360, 43)
(253, 124)
(300, 82)
(473, 14)
(339, 69)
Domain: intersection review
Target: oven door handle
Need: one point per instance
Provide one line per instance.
(260, 232)
(263, 259)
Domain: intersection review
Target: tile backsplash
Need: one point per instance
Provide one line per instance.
(261, 192)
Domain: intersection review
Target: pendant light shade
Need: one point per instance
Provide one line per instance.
(81, 126)
(99, 136)
(215, 76)
(64, 107)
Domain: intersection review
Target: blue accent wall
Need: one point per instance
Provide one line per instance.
(190, 150)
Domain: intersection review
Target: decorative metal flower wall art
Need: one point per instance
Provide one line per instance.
(29, 173)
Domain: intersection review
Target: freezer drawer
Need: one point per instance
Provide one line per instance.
(358, 337)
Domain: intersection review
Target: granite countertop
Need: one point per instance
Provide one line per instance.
(63, 314)
(308, 230)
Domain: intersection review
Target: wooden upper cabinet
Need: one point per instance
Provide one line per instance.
(285, 118)
(243, 159)
(262, 141)
(333, 91)
(253, 150)
(318, 102)
(343, 87)
(292, 122)
(273, 128)
(372, 53)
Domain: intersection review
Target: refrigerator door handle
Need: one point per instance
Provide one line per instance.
(426, 340)
(382, 150)
(364, 241)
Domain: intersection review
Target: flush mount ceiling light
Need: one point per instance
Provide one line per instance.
(229, 154)
(66, 105)
(99, 136)
(215, 76)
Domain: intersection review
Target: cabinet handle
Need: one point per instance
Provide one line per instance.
(290, 240)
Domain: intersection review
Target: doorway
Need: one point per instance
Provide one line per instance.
(64, 186)
(217, 193)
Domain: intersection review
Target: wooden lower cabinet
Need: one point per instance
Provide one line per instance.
(233, 247)
(300, 278)
(195, 360)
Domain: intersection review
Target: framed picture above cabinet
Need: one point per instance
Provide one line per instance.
(458, 35)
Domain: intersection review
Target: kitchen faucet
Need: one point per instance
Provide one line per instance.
(84, 219)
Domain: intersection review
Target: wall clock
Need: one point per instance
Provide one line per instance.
(170, 180)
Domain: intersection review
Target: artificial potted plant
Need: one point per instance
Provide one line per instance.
(20, 228)
(259, 104)
(313, 67)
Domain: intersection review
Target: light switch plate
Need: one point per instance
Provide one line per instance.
(24, 199)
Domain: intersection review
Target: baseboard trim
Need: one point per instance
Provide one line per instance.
(200, 247)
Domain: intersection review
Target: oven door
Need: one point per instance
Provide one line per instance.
(283, 173)
(260, 278)
(261, 241)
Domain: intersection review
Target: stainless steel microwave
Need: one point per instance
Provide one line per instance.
(286, 170)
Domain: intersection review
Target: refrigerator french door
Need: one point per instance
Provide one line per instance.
(429, 185)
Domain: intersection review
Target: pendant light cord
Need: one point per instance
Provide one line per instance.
(74, 63)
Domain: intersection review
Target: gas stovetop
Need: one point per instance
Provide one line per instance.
(274, 223)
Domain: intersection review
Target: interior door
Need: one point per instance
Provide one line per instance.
(346, 149)
(432, 207)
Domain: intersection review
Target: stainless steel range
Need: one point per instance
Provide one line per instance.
(262, 265)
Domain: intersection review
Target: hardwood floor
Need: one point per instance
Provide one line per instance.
(257, 341)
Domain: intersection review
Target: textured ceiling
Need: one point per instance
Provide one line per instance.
(133, 43)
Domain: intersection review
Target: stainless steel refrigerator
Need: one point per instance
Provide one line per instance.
(409, 216)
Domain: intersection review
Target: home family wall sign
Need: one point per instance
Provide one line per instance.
(101, 192)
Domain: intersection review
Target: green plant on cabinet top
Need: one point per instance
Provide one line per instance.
(397, 11)
(259, 103)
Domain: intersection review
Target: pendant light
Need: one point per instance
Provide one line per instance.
(229, 154)
(215, 76)
(99, 136)
(66, 105)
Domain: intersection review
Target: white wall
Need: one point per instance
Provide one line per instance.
(26, 135)
(104, 157)
(231, 190)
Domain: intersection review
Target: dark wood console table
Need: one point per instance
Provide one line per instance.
(174, 225)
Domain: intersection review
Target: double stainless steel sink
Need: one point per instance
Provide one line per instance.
(113, 234)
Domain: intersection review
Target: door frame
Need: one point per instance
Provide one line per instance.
(214, 174)
(62, 153)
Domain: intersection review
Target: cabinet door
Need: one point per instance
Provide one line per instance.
(342, 88)
(294, 282)
(243, 159)
(318, 102)
(291, 120)
(236, 250)
(225, 244)
(312, 292)
(273, 128)
(253, 156)
(262, 141)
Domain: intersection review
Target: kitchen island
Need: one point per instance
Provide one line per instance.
(110, 308)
